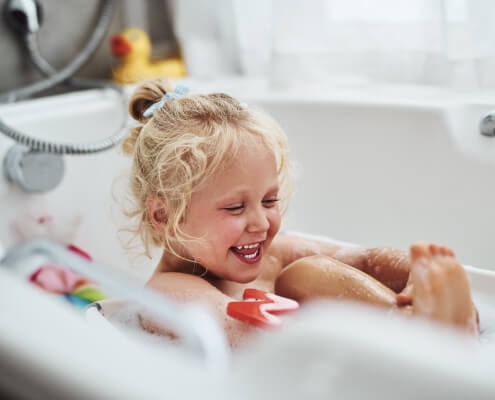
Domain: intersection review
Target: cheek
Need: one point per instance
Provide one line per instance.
(275, 220)
(230, 228)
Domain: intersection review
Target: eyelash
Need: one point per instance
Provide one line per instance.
(272, 201)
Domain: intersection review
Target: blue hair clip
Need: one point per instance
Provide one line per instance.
(177, 93)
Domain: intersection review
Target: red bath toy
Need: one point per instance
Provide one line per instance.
(258, 308)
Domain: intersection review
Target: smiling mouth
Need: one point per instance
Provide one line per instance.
(249, 254)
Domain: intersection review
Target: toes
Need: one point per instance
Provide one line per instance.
(441, 289)
(437, 249)
(448, 251)
(419, 250)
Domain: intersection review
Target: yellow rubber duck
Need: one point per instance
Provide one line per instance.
(133, 46)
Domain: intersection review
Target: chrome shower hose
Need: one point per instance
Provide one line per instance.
(64, 76)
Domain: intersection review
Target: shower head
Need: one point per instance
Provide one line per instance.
(23, 16)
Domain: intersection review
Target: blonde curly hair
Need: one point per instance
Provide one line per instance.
(181, 145)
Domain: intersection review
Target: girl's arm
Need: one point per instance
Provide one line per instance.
(388, 265)
(185, 288)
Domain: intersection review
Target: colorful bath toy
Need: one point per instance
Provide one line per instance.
(70, 285)
(53, 278)
(133, 46)
(258, 308)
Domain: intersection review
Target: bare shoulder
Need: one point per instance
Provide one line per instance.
(182, 288)
(186, 288)
(171, 280)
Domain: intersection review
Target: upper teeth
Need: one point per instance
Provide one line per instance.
(248, 246)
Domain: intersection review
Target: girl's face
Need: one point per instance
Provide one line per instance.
(236, 214)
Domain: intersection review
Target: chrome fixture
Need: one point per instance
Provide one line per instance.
(487, 124)
(30, 169)
(33, 171)
(198, 331)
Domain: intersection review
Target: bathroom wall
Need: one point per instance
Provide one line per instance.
(66, 27)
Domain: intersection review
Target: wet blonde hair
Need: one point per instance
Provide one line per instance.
(186, 141)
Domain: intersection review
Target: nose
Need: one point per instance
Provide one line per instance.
(258, 221)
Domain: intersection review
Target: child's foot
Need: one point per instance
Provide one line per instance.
(441, 288)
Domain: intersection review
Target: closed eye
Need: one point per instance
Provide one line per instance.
(266, 203)
(270, 203)
(235, 208)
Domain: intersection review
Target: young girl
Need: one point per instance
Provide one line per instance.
(211, 178)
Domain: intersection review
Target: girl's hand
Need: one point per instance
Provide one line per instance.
(404, 298)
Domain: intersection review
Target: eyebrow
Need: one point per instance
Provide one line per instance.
(233, 196)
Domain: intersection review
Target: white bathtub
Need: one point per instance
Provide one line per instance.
(385, 169)
(388, 167)
(378, 170)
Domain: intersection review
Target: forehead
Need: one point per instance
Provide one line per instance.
(253, 164)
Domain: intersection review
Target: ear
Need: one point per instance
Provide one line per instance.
(157, 213)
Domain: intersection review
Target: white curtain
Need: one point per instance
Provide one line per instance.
(316, 42)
